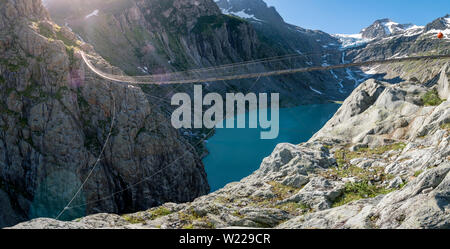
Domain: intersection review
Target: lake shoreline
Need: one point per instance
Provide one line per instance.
(297, 125)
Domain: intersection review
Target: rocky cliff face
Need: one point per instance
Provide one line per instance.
(55, 118)
(381, 162)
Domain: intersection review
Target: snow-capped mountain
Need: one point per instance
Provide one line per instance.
(439, 25)
(442, 23)
(398, 41)
(386, 27)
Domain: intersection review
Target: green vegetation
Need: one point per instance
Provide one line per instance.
(345, 171)
(56, 34)
(2, 80)
(292, 207)
(344, 156)
(160, 212)
(142, 217)
(381, 149)
(357, 191)
(13, 64)
(238, 214)
(133, 219)
(67, 42)
(445, 126)
(282, 191)
(191, 217)
(70, 52)
(418, 173)
(431, 98)
(329, 147)
(45, 31)
(367, 186)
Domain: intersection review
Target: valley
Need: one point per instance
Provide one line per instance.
(378, 159)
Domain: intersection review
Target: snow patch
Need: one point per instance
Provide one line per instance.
(351, 40)
(447, 20)
(445, 32)
(241, 14)
(94, 13)
(371, 70)
(144, 70)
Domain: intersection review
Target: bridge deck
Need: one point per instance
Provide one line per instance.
(195, 76)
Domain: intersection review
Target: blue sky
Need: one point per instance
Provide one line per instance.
(350, 16)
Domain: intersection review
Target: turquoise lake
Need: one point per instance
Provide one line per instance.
(236, 153)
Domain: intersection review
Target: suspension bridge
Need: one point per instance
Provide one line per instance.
(243, 70)
(220, 73)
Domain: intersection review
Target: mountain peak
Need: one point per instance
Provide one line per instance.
(383, 20)
(385, 27)
(442, 23)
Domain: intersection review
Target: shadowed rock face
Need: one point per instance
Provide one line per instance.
(55, 117)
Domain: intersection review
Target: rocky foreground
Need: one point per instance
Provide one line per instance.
(381, 162)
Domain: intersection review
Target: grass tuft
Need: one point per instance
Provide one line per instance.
(431, 98)
(357, 191)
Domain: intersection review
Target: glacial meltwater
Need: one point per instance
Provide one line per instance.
(236, 153)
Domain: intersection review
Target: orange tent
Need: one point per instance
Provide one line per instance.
(440, 35)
